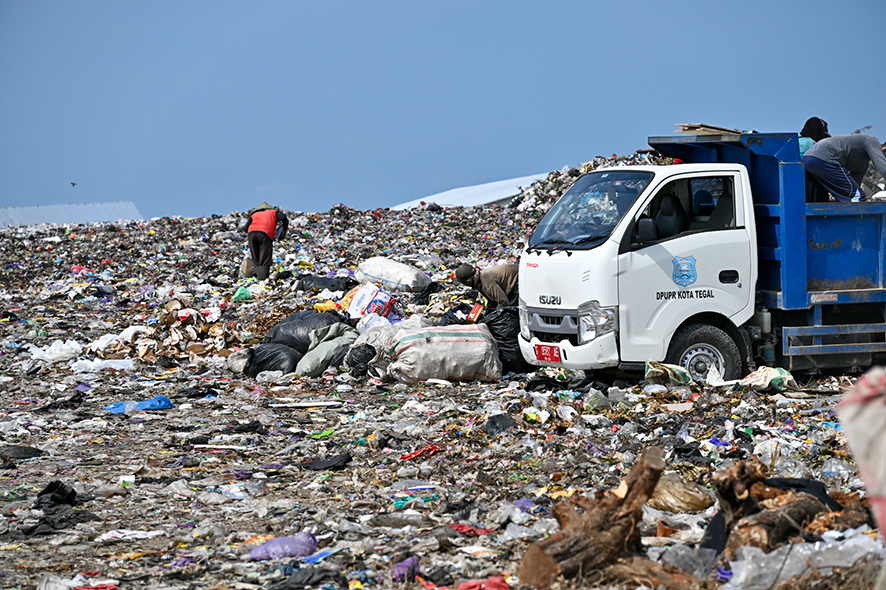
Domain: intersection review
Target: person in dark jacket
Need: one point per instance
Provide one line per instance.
(838, 164)
(497, 283)
(263, 226)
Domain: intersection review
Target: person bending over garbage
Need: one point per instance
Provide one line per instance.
(838, 164)
(497, 283)
(264, 224)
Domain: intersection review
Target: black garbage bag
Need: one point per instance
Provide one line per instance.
(55, 494)
(358, 359)
(339, 357)
(499, 423)
(295, 330)
(504, 323)
(20, 452)
(425, 296)
(165, 362)
(58, 518)
(254, 427)
(332, 462)
(56, 501)
(272, 357)
(71, 403)
(195, 392)
(310, 578)
(458, 314)
(318, 283)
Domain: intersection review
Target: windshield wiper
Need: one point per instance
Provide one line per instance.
(589, 239)
(551, 242)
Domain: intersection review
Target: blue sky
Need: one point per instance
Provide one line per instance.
(197, 107)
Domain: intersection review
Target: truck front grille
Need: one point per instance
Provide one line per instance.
(553, 326)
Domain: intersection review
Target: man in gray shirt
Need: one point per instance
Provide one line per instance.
(839, 163)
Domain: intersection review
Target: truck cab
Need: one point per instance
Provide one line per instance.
(638, 263)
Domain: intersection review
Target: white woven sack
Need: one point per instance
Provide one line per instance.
(454, 353)
(391, 274)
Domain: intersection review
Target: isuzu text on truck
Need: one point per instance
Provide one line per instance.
(717, 262)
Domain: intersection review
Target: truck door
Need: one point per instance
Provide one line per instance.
(699, 262)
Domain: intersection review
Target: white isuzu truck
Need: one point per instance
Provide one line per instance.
(716, 262)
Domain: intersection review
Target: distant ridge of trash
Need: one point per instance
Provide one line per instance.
(68, 213)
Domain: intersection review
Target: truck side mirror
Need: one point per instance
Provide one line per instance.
(645, 231)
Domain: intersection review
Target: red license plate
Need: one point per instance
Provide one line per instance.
(547, 353)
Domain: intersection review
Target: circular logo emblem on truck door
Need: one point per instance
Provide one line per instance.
(684, 271)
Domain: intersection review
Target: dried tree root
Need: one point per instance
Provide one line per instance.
(733, 488)
(783, 517)
(595, 538)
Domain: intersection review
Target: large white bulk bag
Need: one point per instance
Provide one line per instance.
(455, 353)
(391, 274)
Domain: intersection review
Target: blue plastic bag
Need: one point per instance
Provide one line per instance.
(161, 402)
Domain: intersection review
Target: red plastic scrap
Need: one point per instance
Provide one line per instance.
(496, 583)
(469, 530)
(425, 452)
(429, 585)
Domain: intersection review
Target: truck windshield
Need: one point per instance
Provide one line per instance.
(587, 213)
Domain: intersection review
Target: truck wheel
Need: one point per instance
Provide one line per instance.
(697, 347)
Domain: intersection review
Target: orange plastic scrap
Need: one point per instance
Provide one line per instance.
(258, 539)
(131, 556)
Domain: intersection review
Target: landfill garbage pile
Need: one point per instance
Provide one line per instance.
(541, 195)
(358, 420)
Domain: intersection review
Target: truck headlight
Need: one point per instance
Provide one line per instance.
(524, 320)
(594, 321)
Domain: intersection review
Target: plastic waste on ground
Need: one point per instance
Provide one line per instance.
(370, 299)
(770, 378)
(242, 294)
(659, 373)
(675, 494)
(460, 474)
(299, 545)
(160, 402)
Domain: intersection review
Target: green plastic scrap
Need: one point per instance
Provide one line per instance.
(324, 434)
(401, 502)
(242, 294)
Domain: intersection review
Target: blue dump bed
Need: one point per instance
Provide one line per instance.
(810, 253)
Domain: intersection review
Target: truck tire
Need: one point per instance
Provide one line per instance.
(698, 346)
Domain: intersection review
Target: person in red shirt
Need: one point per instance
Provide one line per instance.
(264, 225)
